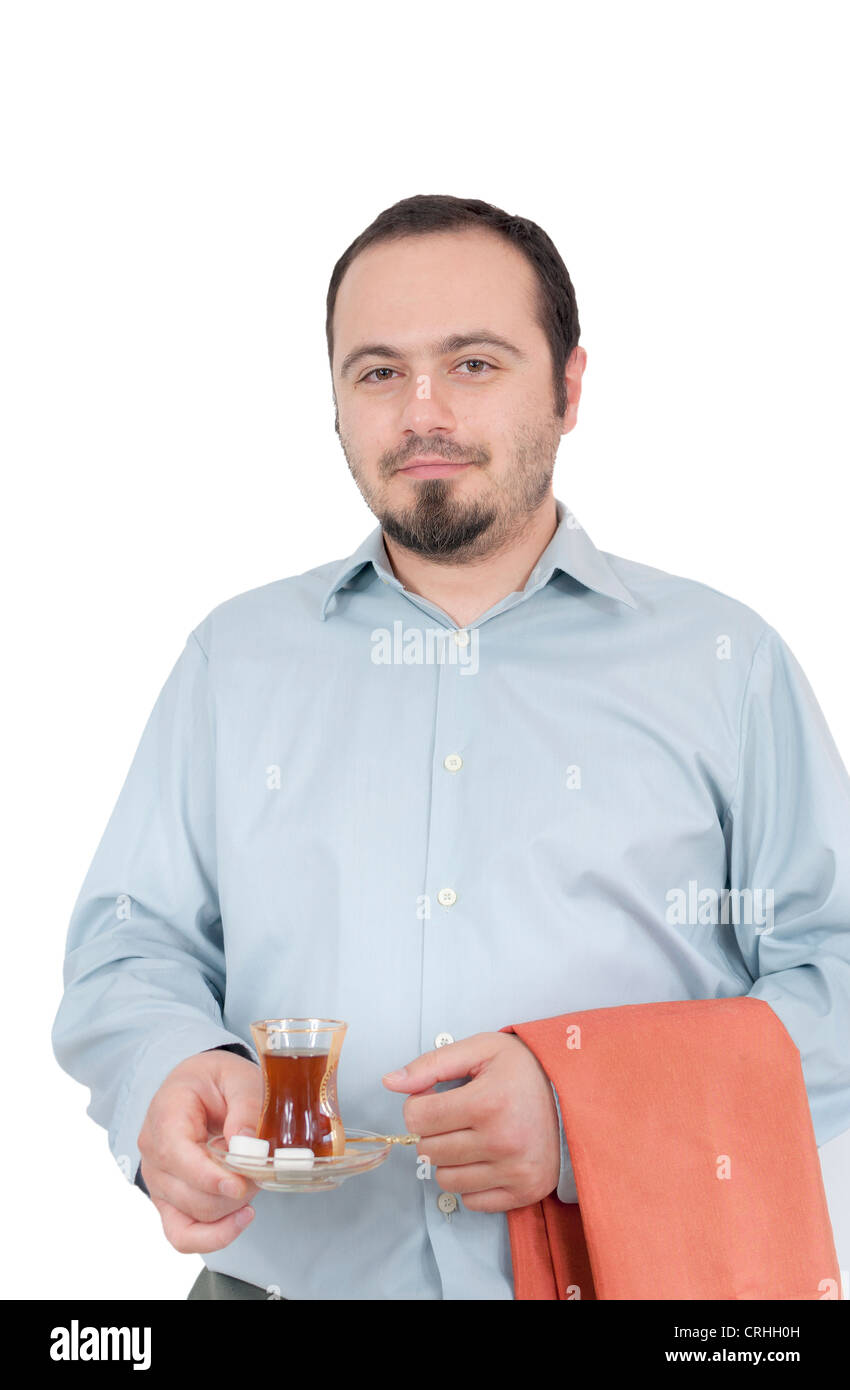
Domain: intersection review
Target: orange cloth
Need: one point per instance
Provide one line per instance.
(658, 1102)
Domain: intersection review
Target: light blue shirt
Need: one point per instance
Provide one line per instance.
(614, 787)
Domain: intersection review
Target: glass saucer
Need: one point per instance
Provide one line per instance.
(325, 1173)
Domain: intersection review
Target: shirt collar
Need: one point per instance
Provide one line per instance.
(570, 550)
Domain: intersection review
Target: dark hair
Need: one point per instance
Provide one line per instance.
(437, 212)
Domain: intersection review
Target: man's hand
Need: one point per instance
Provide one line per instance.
(201, 1207)
(496, 1140)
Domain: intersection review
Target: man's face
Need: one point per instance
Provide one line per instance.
(450, 435)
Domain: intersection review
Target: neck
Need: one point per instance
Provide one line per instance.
(469, 588)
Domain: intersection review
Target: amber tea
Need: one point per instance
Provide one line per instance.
(299, 1058)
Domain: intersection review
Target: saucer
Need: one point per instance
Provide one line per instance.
(324, 1174)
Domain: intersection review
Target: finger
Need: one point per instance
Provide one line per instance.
(448, 1063)
(469, 1177)
(443, 1112)
(202, 1206)
(494, 1199)
(200, 1237)
(454, 1149)
(405, 1109)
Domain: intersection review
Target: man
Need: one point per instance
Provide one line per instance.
(479, 772)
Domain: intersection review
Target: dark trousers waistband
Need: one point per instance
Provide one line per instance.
(211, 1284)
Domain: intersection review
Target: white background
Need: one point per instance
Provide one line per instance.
(178, 181)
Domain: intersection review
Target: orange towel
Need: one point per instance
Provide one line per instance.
(694, 1156)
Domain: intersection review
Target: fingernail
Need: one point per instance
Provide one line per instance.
(395, 1075)
(244, 1216)
(229, 1187)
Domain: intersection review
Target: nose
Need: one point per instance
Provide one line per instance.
(426, 409)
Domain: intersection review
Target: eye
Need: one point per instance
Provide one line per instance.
(479, 362)
(371, 374)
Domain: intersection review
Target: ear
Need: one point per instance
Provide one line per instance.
(576, 363)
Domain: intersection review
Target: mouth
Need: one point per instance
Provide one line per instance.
(432, 468)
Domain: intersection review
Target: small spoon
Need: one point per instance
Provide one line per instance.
(387, 1138)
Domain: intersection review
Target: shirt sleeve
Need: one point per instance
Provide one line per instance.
(788, 841)
(566, 1189)
(144, 968)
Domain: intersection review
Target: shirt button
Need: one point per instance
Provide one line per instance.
(453, 763)
(447, 897)
(447, 1202)
(443, 1040)
(461, 637)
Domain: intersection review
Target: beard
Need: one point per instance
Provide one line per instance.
(435, 525)
(443, 526)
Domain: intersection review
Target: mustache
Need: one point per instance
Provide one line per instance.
(391, 463)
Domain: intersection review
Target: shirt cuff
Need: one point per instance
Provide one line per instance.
(566, 1189)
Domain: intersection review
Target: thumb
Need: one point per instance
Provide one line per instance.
(242, 1089)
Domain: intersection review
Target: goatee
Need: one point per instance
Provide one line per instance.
(436, 526)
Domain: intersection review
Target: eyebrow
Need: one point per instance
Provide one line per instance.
(455, 343)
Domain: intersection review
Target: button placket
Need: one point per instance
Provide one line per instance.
(443, 992)
(439, 990)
